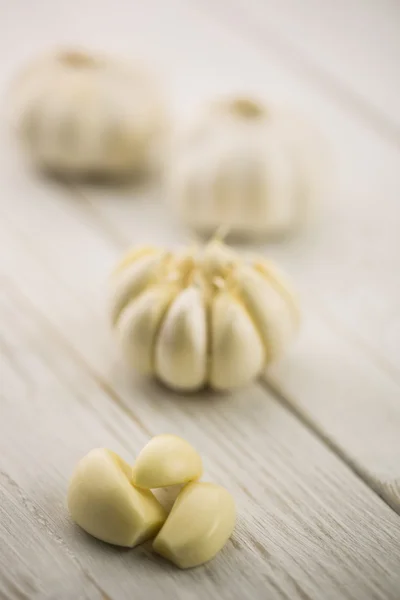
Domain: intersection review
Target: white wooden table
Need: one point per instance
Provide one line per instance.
(311, 454)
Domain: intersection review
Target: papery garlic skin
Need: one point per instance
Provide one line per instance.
(238, 352)
(81, 114)
(181, 347)
(202, 316)
(254, 170)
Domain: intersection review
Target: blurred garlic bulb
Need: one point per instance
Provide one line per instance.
(242, 165)
(201, 316)
(80, 114)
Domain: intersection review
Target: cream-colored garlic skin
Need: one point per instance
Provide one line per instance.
(238, 352)
(252, 169)
(200, 523)
(181, 348)
(103, 501)
(201, 316)
(82, 114)
(166, 460)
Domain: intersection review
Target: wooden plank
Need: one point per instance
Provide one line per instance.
(333, 263)
(306, 522)
(350, 48)
(64, 264)
(350, 260)
(309, 524)
(24, 570)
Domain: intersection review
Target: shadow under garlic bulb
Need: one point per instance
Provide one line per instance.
(88, 115)
(201, 316)
(253, 169)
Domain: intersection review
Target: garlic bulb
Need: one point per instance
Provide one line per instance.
(242, 165)
(201, 316)
(79, 114)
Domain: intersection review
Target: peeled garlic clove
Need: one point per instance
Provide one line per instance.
(198, 526)
(103, 501)
(139, 324)
(275, 322)
(133, 280)
(237, 351)
(181, 347)
(166, 460)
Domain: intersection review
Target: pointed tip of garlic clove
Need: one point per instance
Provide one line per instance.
(166, 460)
(133, 279)
(132, 256)
(105, 504)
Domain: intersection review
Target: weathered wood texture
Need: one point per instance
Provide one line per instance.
(300, 453)
(351, 48)
(305, 520)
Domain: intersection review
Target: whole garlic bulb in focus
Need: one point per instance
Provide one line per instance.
(81, 114)
(242, 165)
(201, 316)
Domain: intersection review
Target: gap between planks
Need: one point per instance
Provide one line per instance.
(331, 526)
(238, 20)
(266, 383)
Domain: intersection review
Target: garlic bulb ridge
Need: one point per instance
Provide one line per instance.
(81, 114)
(201, 316)
(254, 169)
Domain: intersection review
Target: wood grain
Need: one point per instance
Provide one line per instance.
(300, 453)
(357, 411)
(348, 261)
(27, 572)
(351, 48)
(305, 520)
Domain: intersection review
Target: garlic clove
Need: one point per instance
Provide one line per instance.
(281, 283)
(103, 501)
(274, 320)
(133, 280)
(139, 324)
(237, 351)
(132, 256)
(166, 460)
(198, 526)
(181, 347)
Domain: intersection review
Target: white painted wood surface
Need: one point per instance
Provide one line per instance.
(307, 454)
